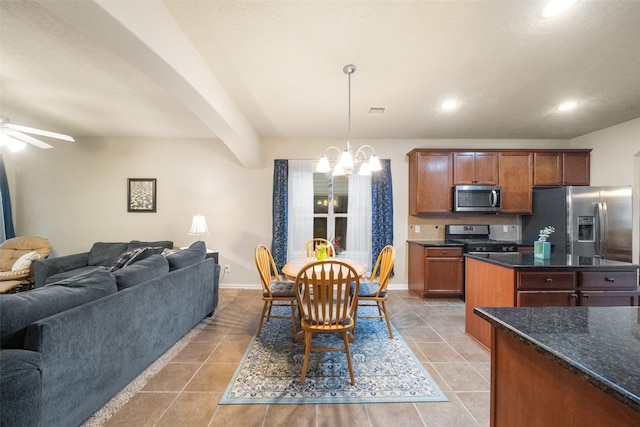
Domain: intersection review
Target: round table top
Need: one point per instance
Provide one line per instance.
(293, 267)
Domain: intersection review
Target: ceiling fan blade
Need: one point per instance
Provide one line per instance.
(26, 138)
(39, 132)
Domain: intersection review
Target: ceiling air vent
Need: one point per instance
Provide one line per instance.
(377, 110)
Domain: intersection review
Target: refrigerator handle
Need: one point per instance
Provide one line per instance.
(602, 228)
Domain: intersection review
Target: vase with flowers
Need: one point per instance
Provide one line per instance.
(542, 248)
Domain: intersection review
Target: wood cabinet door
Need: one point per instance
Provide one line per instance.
(475, 168)
(464, 168)
(576, 169)
(430, 177)
(443, 276)
(516, 180)
(608, 298)
(486, 166)
(546, 299)
(547, 168)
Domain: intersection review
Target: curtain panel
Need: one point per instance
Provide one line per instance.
(279, 212)
(6, 228)
(381, 209)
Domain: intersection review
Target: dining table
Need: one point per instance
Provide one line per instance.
(293, 267)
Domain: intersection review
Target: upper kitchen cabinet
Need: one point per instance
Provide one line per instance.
(430, 182)
(561, 167)
(475, 168)
(516, 178)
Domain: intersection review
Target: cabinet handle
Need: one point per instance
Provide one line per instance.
(574, 296)
(585, 295)
(609, 279)
(444, 252)
(548, 280)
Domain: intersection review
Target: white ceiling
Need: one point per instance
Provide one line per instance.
(248, 70)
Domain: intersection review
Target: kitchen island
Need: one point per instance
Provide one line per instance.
(564, 366)
(521, 280)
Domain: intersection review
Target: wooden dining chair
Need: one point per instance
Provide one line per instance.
(309, 248)
(322, 289)
(275, 290)
(373, 291)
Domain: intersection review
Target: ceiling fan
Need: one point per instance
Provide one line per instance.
(16, 138)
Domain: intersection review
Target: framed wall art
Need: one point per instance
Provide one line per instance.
(141, 195)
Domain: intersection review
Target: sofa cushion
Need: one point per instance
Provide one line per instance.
(17, 311)
(186, 257)
(146, 269)
(24, 262)
(55, 278)
(105, 253)
(135, 255)
(134, 244)
(20, 388)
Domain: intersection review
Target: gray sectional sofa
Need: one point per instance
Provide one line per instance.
(73, 342)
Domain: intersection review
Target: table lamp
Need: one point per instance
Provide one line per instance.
(199, 226)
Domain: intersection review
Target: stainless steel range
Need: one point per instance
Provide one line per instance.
(476, 239)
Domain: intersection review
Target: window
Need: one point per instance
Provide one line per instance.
(330, 207)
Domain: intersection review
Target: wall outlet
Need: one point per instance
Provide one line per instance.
(227, 268)
(417, 228)
(505, 228)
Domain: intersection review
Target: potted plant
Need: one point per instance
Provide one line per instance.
(542, 248)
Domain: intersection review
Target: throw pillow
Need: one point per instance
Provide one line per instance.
(135, 255)
(186, 257)
(24, 262)
(147, 269)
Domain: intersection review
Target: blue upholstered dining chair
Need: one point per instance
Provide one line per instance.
(275, 290)
(373, 291)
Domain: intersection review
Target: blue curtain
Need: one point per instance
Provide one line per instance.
(279, 214)
(381, 210)
(5, 199)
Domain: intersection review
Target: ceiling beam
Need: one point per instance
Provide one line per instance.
(145, 34)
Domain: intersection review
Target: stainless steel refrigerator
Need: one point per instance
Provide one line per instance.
(589, 221)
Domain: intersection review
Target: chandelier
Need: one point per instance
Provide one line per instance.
(346, 160)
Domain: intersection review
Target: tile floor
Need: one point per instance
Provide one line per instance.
(187, 390)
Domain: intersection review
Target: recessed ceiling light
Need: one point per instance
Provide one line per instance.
(566, 106)
(556, 7)
(449, 105)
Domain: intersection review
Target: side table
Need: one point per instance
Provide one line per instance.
(212, 254)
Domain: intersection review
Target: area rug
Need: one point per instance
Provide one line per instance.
(385, 369)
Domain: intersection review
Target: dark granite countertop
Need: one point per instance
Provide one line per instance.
(598, 344)
(557, 261)
(436, 243)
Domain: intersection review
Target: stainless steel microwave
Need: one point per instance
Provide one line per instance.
(477, 198)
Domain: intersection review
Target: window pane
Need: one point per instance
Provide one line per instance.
(340, 194)
(320, 194)
(341, 232)
(320, 227)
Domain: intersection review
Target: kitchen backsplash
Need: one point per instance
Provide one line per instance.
(502, 227)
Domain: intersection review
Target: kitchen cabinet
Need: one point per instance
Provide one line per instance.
(430, 182)
(516, 180)
(561, 168)
(520, 280)
(475, 168)
(568, 289)
(436, 271)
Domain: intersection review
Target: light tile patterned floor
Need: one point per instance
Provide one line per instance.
(186, 392)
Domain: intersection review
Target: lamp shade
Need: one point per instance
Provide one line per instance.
(199, 225)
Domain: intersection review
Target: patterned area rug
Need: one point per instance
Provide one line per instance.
(385, 369)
